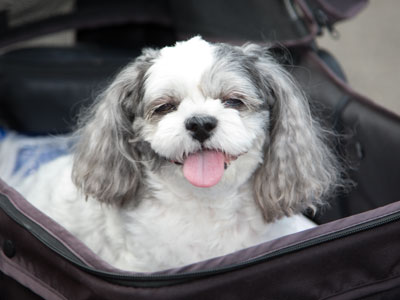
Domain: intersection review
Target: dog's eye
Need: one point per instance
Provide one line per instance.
(165, 108)
(233, 103)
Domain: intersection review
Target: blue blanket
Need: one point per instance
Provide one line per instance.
(21, 155)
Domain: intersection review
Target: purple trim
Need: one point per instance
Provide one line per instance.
(86, 255)
(332, 270)
(343, 85)
(342, 9)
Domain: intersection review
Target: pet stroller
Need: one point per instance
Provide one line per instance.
(353, 254)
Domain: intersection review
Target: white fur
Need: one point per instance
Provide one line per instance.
(175, 223)
(179, 227)
(179, 68)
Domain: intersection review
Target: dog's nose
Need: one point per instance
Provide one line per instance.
(201, 127)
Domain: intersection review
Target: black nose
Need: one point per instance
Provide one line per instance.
(201, 127)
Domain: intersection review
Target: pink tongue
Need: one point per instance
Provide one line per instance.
(204, 168)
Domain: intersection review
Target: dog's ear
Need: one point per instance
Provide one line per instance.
(299, 168)
(106, 164)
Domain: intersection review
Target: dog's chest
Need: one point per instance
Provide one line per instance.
(171, 234)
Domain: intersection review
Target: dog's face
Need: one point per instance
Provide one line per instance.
(213, 116)
(204, 114)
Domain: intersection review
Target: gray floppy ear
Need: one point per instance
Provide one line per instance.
(299, 168)
(106, 164)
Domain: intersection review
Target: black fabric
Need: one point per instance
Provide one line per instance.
(12, 289)
(152, 26)
(43, 89)
(393, 293)
(373, 144)
(332, 63)
(96, 15)
(258, 21)
(368, 140)
(236, 20)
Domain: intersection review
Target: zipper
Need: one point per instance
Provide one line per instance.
(154, 280)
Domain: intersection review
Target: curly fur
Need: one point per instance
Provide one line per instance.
(299, 169)
(133, 141)
(106, 166)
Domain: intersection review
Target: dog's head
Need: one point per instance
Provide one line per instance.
(212, 116)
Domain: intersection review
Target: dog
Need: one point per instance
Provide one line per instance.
(193, 151)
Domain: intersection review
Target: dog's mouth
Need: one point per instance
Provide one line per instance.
(206, 167)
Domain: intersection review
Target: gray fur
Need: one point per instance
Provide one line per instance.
(236, 61)
(299, 169)
(107, 164)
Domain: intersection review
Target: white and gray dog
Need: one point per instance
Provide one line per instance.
(194, 151)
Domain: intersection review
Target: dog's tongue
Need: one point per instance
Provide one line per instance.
(204, 168)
